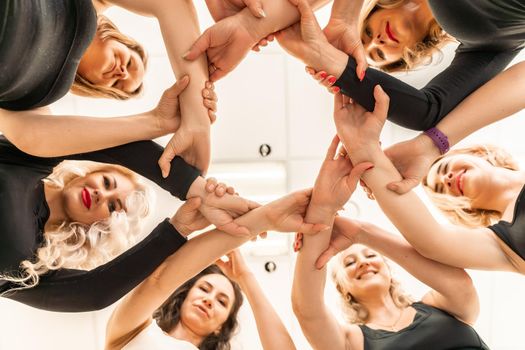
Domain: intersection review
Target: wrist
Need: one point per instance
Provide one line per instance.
(197, 188)
(252, 26)
(330, 59)
(439, 141)
(321, 213)
(364, 154)
(182, 229)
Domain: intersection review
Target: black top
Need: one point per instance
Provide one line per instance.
(432, 329)
(491, 34)
(41, 43)
(513, 233)
(24, 211)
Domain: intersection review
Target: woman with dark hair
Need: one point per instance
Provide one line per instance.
(208, 304)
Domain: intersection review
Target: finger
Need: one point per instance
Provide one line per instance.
(221, 264)
(310, 70)
(167, 156)
(220, 190)
(211, 105)
(334, 89)
(212, 116)
(362, 64)
(199, 46)
(382, 101)
(179, 85)
(338, 102)
(346, 100)
(270, 37)
(263, 42)
(325, 257)
(319, 76)
(252, 205)
(263, 235)
(192, 204)
(230, 190)
(211, 183)
(256, 48)
(332, 149)
(209, 85)
(307, 15)
(403, 186)
(218, 74)
(255, 8)
(311, 229)
(356, 173)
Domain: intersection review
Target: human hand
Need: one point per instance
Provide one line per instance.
(167, 112)
(325, 79)
(263, 42)
(345, 36)
(235, 268)
(336, 180)
(220, 9)
(413, 159)
(358, 129)
(345, 232)
(226, 44)
(188, 218)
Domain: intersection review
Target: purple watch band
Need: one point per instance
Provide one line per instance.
(439, 139)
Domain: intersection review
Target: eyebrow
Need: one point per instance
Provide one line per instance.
(221, 294)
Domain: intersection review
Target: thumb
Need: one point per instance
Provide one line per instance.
(360, 58)
(192, 204)
(255, 8)
(356, 173)
(179, 86)
(221, 264)
(174, 147)
(307, 15)
(325, 257)
(199, 46)
(382, 102)
(403, 186)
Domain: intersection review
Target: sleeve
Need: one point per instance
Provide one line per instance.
(68, 290)
(422, 109)
(141, 157)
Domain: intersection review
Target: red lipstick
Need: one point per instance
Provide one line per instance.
(86, 198)
(389, 33)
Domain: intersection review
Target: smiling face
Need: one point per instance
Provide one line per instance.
(387, 32)
(365, 270)
(208, 304)
(93, 197)
(109, 63)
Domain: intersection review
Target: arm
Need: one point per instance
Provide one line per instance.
(452, 288)
(359, 131)
(272, 332)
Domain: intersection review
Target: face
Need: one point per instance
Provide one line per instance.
(110, 63)
(94, 197)
(460, 175)
(387, 32)
(365, 270)
(208, 304)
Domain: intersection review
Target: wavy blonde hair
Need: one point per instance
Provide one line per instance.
(79, 246)
(107, 30)
(432, 43)
(353, 311)
(459, 209)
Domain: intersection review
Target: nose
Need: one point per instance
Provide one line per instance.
(121, 72)
(378, 40)
(207, 302)
(447, 180)
(102, 195)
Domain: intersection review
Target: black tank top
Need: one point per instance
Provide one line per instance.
(432, 329)
(513, 233)
(41, 43)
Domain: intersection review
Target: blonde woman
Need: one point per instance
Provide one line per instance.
(378, 314)
(398, 35)
(67, 227)
(200, 313)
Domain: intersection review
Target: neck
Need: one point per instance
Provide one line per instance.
(182, 332)
(54, 202)
(504, 188)
(382, 310)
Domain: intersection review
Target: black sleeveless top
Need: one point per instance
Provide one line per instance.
(432, 329)
(41, 43)
(513, 233)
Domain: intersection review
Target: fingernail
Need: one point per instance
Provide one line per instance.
(362, 75)
(322, 75)
(331, 80)
(336, 89)
(185, 54)
(309, 70)
(262, 13)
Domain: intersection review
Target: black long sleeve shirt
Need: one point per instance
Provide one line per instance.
(491, 33)
(24, 212)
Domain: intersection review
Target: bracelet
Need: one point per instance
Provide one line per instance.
(439, 139)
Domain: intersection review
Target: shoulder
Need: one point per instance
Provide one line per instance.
(354, 337)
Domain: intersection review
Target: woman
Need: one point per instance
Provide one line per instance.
(209, 305)
(490, 34)
(66, 230)
(42, 48)
(379, 315)
(488, 184)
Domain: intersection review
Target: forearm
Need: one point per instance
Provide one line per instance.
(272, 332)
(180, 29)
(497, 99)
(52, 136)
(348, 10)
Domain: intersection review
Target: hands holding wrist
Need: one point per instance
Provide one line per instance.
(235, 268)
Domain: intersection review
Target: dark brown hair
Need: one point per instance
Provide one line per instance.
(168, 315)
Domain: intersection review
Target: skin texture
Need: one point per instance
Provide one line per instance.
(107, 189)
(110, 63)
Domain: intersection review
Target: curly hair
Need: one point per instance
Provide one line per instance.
(107, 30)
(80, 246)
(168, 315)
(413, 57)
(459, 209)
(353, 311)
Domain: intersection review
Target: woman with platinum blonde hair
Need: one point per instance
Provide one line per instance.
(378, 314)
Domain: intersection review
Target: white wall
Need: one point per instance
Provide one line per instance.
(268, 99)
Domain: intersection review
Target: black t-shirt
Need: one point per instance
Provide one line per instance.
(24, 211)
(432, 329)
(491, 34)
(41, 43)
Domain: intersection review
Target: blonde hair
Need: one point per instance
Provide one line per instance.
(80, 246)
(353, 311)
(422, 53)
(459, 209)
(107, 30)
